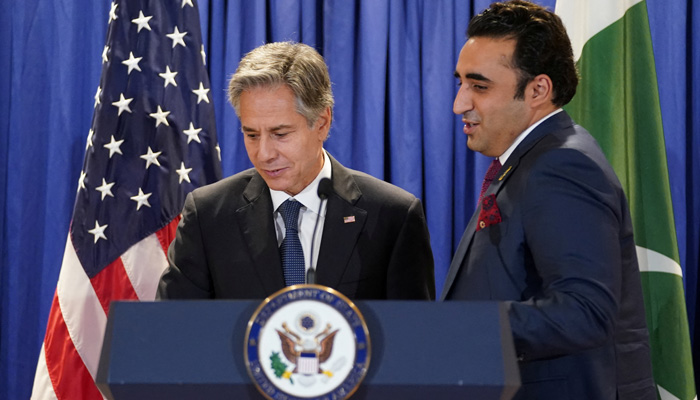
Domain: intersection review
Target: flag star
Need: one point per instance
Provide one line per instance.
(202, 93)
(218, 150)
(192, 134)
(169, 76)
(184, 173)
(132, 62)
(89, 139)
(113, 12)
(99, 231)
(105, 189)
(81, 180)
(160, 117)
(97, 96)
(104, 54)
(142, 21)
(141, 199)
(151, 158)
(184, 2)
(113, 146)
(177, 37)
(123, 104)
(204, 56)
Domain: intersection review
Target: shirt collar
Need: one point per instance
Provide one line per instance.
(309, 195)
(504, 157)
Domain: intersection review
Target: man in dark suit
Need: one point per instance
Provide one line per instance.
(232, 241)
(551, 235)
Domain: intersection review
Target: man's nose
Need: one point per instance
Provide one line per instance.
(267, 150)
(463, 100)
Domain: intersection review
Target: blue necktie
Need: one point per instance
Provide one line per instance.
(290, 250)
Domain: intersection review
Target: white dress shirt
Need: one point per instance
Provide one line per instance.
(308, 214)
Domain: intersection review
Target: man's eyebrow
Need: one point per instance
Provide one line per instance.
(478, 77)
(474, 76)
(273, 129)
(280, 127)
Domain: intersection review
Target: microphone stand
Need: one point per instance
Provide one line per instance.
(325, 188)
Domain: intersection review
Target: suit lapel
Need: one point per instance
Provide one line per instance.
(555, 123)
(257, 228)
(458, 258)
(340, 231)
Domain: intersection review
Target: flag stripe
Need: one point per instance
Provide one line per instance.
(144, 263)
(167, 234)
(69, 376)
(583, 19)
(112, 283)
(82, 311)
(42, 389)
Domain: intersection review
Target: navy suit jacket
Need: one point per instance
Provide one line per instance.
(226, 248)
(563, 258)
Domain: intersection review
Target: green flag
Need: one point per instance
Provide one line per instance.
(618, 102)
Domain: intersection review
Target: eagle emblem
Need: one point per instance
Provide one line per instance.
(305, 349)
(307, 341)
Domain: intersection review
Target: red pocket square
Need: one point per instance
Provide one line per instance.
(490, 214)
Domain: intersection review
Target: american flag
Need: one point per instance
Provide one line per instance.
(153, 140)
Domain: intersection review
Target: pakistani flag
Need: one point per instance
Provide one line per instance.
(618, 102)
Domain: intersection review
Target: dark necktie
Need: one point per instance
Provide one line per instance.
(489, 177)
(291, 250)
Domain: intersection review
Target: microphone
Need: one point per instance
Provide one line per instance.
(325, 189)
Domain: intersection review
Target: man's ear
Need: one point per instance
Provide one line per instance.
(540, 91)
(323, 123)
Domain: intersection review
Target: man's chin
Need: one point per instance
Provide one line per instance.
(279, 185)
(472, 145)
(275, 184)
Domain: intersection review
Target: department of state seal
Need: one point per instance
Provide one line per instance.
(307, 342)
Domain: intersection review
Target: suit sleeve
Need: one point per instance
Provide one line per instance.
(410, 272)
(187, 276)
(572, 217)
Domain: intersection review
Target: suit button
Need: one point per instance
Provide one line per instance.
(482, 224)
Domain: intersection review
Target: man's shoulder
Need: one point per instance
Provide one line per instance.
(574, 155)
(232, 186)
(560, 132)
(574, 141)
(375, 189)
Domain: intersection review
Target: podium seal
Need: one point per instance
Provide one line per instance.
(307, 342)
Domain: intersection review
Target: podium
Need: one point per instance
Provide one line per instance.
(419, 350)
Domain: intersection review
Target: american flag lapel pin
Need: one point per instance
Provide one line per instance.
(349, 220)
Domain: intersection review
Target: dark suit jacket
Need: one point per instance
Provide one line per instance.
(226, 247)
(564, 259)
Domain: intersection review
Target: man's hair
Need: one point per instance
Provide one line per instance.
(296, 65)
(542, 45)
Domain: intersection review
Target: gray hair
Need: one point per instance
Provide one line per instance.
(296, 65)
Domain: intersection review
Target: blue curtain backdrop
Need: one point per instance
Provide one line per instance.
(391, 64)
